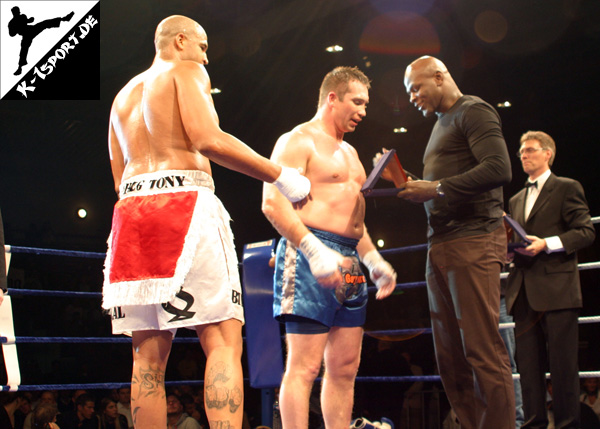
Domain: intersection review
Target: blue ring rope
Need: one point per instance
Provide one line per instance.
(361, 379)
(100, 255)
(108, 386)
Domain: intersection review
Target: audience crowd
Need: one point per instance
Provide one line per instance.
(97, 409)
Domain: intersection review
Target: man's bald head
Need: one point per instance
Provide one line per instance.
(430, 86)
(426, 65)
(170, 27)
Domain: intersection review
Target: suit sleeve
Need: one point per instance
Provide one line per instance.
(575, 214)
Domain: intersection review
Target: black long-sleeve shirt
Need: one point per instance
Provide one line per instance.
(467, 154)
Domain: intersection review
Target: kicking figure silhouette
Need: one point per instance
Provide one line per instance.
(19, 24)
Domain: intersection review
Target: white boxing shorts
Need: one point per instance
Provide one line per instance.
(171, 261)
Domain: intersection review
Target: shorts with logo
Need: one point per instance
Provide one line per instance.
(297, 292)
(171, 262)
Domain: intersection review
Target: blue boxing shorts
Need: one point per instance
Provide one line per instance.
(297, 292)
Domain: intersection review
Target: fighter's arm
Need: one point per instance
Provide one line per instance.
(381, 272)
(294, 150)
(201, 124)
(291, 150)
(117, 160)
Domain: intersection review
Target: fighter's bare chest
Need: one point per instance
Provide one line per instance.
(337, 166)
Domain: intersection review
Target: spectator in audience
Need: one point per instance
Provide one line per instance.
(82, 417)
(23, 411)
(44, 416)
(109, 416)
(587, 418)
(124, 404)
(9, 403)
(176, 417)
(47, 397)
(589, 395)
(191, 408)
(68, 404)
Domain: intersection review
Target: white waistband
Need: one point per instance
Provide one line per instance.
(165, 180)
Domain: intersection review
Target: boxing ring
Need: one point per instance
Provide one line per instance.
(263, 338)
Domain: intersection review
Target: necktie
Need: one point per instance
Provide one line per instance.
(528, 184)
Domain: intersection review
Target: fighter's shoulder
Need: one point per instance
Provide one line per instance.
(188, 69)
(347, 146)
(300, 135)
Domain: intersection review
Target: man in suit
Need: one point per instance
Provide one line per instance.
(543, 291)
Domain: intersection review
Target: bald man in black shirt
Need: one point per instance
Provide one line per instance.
(465, 165)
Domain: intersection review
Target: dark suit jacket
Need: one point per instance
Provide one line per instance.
(551, 280)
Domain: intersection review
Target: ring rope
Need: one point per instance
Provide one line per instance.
(364, 379)
(56, 252)
(101, 255)
(11, 341)
(399, 286)
(193, 340)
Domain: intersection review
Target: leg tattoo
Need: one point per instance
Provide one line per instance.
(151, 381)
(146, 383)
(216, 424)
(235, 399)
(217, 394)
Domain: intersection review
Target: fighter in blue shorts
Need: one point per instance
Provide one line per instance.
(303, 304)
(320, 290)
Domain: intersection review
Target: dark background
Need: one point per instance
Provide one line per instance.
(268, 57)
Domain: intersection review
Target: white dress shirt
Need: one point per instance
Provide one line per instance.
(553, 244)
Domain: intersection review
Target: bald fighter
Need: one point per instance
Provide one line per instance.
(171, 261)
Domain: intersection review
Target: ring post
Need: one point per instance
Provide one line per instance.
(263, 336)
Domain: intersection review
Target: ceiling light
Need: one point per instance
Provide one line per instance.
(82, 213)
(400, 130)
(215, 91)
(504, 105)
(334, 48)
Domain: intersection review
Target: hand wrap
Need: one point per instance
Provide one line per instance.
(323, 261)
(380, 270)
(292, 184)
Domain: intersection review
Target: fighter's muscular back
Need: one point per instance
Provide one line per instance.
(147, 130)
(336, 174)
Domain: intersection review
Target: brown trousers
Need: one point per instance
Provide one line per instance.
(463, 285)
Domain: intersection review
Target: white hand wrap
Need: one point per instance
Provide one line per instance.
(323, 261)
(294, 186)
(380, 270)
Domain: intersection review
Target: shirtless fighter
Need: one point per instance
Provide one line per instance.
(171, 261)
(320, 290)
